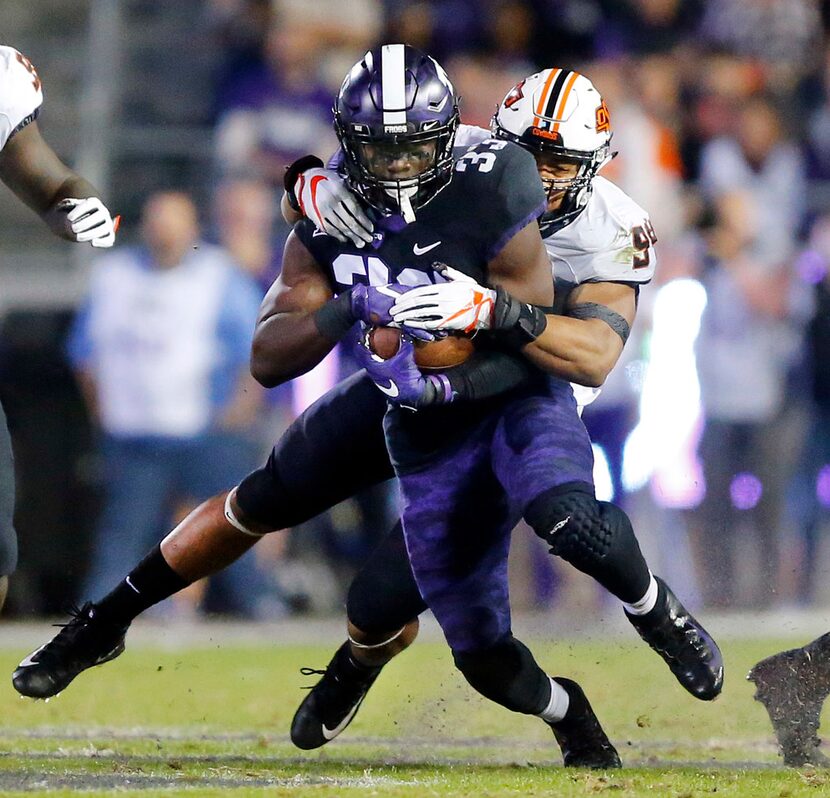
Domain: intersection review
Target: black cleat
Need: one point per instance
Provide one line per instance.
(82, 643)
(792, 691)
(583, 742)
(688, 649)
(333, 702)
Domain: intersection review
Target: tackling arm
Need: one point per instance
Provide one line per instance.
(585, 344)
(287, 340)
(32, 170)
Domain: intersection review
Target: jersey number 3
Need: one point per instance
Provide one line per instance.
(642, 238)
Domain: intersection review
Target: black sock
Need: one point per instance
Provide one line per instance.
(150, 582)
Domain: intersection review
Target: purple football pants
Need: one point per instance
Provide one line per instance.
(462, 501)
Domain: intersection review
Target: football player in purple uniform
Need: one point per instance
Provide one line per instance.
(63, 199)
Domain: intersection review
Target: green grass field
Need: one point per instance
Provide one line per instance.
(214, 721)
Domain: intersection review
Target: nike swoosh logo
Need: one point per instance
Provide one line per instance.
(330, 734)
(421, 250)
(30, 660)
(559, 526)
(127, 580)
(390, 390)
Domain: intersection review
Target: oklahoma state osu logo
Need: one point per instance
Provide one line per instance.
(603, 118)
(514, 96)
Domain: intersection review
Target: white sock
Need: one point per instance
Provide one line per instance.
(557, 707)
(647, 602)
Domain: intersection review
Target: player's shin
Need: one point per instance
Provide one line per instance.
(598, 539)
(214, 535)
(375, 649)
(508, 674)
(595, 537)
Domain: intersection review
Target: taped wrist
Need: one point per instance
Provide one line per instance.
(335, 318)
(517, 322)
(293, 171)
(439, 390)
(487, 373)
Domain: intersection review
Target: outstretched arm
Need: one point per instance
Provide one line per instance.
(584, 345)
(63, 199)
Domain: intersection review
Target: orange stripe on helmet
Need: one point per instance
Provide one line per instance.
(567, 90)
(543, 99)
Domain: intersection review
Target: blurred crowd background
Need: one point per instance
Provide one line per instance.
(124, 375)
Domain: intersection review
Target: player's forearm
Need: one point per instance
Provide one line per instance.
(488, 373)
(581, 351)
(286, 345)
(74, 187)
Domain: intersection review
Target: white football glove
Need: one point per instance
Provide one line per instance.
(89, 220)
(459, 304)
(326, 200)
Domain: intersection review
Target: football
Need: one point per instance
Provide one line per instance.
(443, 353)
(384, 341)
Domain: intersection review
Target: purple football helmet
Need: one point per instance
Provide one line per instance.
(395, 116)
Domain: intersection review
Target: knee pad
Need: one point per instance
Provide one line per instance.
(595, 537)
(508, 674)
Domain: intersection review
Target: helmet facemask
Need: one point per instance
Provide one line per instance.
(400, 172)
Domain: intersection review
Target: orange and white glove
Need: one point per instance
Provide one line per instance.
(89, 220)
(459, 304)
(324, 197)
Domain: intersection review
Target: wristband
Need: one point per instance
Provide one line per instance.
(517, 323)
(443, 390)
(293, 171)
(335, 318)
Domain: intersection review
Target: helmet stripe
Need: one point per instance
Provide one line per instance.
(561, 109)
(541, 105)
(393, 84)
(555, 92)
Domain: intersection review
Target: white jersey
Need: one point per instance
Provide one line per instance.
(20, 92)
(612, 240)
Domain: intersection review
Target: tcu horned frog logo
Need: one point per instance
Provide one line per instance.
(514, 96)
(603, 118)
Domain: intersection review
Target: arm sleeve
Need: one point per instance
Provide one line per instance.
(489, 372)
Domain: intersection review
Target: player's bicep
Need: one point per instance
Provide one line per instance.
(522, 268)
(302, 285)
(31, 169)
(610, 309)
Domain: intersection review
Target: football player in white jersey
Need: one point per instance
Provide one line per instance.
(64, 200)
